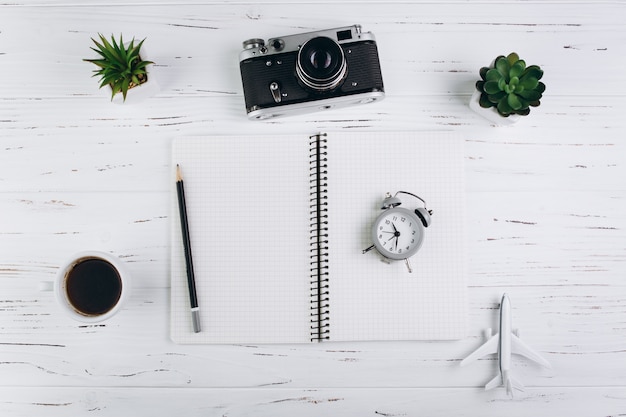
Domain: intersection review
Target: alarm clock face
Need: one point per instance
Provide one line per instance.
(398, 233)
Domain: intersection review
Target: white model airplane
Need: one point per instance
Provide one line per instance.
(505, 343)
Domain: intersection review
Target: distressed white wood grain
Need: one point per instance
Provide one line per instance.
(546, 207)
(569, 143)
(424, 48)
(584, 402)
(575, 329)
(541, 237)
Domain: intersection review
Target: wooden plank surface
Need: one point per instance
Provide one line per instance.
(584, 401)
(546, 207)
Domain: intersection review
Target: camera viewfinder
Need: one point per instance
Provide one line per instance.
(344, 35)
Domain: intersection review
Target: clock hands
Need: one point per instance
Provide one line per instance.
(396, 235)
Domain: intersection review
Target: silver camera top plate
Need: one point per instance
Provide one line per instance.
(257, 47)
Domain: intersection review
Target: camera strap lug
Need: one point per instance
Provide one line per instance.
(275, 90)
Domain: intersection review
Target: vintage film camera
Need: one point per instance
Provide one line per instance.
(309, 72)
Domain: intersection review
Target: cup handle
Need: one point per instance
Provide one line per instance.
(46, 286)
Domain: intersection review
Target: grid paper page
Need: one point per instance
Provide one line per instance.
(372, 300)
(247, 202)
(255, 288)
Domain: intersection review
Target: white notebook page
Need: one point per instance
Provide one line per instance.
(248, 205)
(373, 300)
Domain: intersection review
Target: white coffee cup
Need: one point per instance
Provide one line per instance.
(91, 286)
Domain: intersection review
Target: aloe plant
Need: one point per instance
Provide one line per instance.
(119, 65)
(510, 86)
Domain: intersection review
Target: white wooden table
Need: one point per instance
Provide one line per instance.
(546, 207)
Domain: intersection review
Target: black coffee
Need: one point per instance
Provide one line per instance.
(93, 286)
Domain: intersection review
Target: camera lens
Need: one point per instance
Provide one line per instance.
(321, 65)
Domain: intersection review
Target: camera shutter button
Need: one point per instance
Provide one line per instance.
(253, 43)
(275, 90)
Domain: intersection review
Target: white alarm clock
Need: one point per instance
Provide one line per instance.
(398, 233)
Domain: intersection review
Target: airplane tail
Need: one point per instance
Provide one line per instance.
(506, 380)
(495, 382)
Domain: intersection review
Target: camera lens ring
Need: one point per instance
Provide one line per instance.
(321, 64)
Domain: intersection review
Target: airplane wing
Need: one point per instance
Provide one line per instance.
(489, 347)
(521, 348)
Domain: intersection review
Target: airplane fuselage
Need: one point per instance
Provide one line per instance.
(506, 329)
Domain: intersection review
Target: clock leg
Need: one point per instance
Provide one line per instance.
(408, 265)
(368, 249)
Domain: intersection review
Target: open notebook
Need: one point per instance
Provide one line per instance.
(252, 208)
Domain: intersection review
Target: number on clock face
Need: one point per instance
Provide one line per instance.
(398, 233)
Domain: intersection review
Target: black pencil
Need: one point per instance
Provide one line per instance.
(184, 225)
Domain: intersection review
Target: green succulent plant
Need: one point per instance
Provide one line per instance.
(510, 86)
(119, 65)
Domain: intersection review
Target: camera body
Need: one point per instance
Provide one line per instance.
(309, 72)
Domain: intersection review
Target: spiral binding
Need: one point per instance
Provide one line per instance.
(318, 192)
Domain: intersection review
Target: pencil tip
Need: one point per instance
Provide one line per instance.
(179, 176)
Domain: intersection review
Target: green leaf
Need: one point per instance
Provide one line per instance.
(530, 95)
(125, 85)
(491, 87)
(122, 49)
(139, 46)
(524, 103)
(495, 98)
(529, 83)
(115, 51)
(504, 108)
(483, 72)
(533, 71)
(502, 85)
(110, 49)
(493, 75)
(484, 101)
(517, 69)
(142, 65)
(114, 90)
(541, 87)
(514, 102)
(512, 58)
(109, 79)
(105, 54)
(98, 62)
(503, 67)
